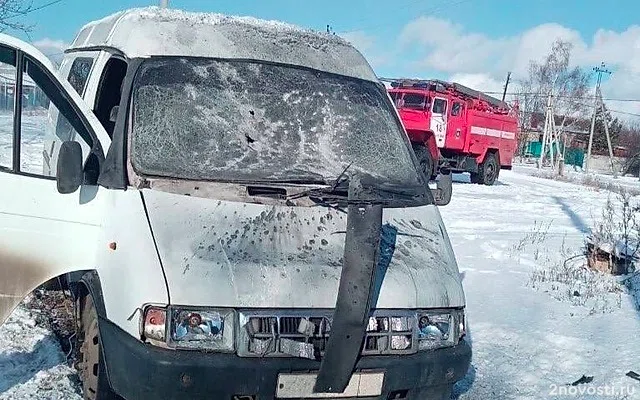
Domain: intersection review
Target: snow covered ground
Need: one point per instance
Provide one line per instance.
(32, 365)
(34, 126)
(530, 338)
(526, 342)
(601, 180)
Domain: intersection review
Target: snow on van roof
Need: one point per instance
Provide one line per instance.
(154, 31)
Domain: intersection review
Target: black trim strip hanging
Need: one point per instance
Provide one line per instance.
(17, 110)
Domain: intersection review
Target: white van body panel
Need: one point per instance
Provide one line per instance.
(131, 275)
(154, 31)
(223, 253)
(176, 249)
(44, 234)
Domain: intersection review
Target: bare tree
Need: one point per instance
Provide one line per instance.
(554, 76)
(630, 136)
(11, 12)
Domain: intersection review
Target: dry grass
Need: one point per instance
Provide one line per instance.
(574, 282)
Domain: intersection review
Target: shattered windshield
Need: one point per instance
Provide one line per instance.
(203, 119)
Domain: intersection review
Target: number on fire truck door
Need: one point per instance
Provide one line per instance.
(439, 120)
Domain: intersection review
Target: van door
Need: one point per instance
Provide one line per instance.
(439, 120)
(43, 234)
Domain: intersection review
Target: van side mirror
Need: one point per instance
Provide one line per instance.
(442, 193)
(69, 169)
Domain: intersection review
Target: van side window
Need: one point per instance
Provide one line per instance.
(28, 116)
(79, 73)
(456, 109)
(7, 88)
(39, 135)
(439, 106)
(109, 93)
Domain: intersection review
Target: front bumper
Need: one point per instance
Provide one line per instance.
(140, 371)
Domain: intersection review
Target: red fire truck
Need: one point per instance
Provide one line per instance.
(456, 128)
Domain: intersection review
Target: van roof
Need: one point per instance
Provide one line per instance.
(154, 31)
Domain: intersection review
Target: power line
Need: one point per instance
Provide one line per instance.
(609, 110)
(30, 10)
(623, 112)
(575, 98)
(542, 95)
(537, 94)
(591, 105)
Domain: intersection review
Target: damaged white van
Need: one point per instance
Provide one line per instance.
(236, 209)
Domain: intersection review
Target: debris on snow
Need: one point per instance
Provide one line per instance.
(615, 259)
(633, 375)
(584, 379)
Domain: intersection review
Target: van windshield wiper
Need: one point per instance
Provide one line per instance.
(375, 194)
(327, 195)
(336, 194)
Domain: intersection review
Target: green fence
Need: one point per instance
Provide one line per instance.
(572, 156)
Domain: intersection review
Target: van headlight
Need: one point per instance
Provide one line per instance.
(436, 330)
(188, 328)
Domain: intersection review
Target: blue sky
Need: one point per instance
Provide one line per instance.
(494, 17)
(473, 41)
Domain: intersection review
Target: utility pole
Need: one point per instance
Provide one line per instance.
(597, 99)
(606, 131)
(164, 3)
(555, 139)
(506, 85)
(545, 132)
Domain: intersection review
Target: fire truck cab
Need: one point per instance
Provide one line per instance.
(457, 129)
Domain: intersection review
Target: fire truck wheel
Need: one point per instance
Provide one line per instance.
(488, 171)
(424, 158)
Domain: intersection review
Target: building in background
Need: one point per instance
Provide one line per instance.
(32, 96)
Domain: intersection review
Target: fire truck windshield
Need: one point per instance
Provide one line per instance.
(418, 101)
(245, 121)
(415, 100)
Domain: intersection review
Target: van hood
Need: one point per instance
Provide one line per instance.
(231, 254)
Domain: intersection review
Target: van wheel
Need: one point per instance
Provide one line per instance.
(425, 160)
(92, 371)
(488, 171)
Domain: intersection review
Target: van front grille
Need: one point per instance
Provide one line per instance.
(306, 334)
